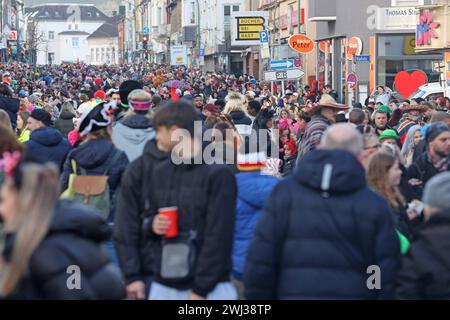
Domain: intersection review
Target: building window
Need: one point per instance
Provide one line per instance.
(92, 54)
(51, 35)
(159, 16)
(407, 3)
(70, 27)
(89, 14)
(235, 8)
(97, 54)
(76, 27)
(103, 54)
(75, 42)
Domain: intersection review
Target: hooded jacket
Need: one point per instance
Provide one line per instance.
(133, 250)
(253, 190)
(47, 145)
(95, 157)
(11, 106)
(321, 229)
(74, 238)
(65, 123)
(425, 272)
(131, 134)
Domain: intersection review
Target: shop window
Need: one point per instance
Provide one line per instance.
(397, 53)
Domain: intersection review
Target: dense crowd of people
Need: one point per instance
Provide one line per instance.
(161, 182)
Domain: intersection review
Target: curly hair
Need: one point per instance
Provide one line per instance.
(377, 173)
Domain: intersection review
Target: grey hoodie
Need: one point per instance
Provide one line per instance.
(131, 134)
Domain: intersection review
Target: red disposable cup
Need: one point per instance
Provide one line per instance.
(172, 214)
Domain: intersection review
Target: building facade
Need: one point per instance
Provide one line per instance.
(60, 31)
(382, 31)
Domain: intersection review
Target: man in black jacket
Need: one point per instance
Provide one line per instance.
(323, 230)
(425, 272)
(132, 248)
(437, 157)
(205, 197)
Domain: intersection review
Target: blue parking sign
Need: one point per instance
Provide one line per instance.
(264, 36)
(146, 30)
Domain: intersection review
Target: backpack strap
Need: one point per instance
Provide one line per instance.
(113, 161)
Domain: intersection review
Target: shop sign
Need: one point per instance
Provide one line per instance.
(301, 43)
(398, 18)
(426, 28)
(323, 46)
(246, 27)
(354, 47)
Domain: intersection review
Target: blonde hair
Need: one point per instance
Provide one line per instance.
(38, 195)
(377, 173)
(4, 119)
(235, 102)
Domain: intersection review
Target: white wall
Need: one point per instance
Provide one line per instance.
(68, 51)
(97, 44)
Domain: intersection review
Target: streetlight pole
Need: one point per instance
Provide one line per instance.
(198, 33)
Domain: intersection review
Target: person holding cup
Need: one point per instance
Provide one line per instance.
(191, 216)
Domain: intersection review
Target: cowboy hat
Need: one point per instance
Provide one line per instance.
(413, 106)
(327, 101)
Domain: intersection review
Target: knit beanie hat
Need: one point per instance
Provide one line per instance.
(389, 134)
(125, 89)
(100, 94)
(385, 108)
(435, 130)
(251, 161)
(42, 115)
(437, 192)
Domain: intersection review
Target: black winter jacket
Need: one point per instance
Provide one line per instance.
(133, 250)
(74, 239)
(422, 169)
(11, 106)
(316, 244)
(65, 123)
(425, 272)
(206, 199)
(240, 117)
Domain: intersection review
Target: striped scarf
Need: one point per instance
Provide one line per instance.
(313, 134)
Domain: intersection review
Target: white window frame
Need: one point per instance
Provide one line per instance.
(398, 3)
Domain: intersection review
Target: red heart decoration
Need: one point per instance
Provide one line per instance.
(407, 83)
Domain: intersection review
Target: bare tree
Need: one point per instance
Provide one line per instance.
(34, 39)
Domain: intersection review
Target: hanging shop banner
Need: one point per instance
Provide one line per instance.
(178, 56)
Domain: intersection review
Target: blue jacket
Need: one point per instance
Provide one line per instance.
(253, 190)
(321, 230)
(47, 145)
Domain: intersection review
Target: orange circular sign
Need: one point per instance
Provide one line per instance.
(354, 47)
(301, 43)
(322, 46)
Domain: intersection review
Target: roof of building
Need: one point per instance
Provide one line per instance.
(73, 33)
(107, 30)
(65, 11)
